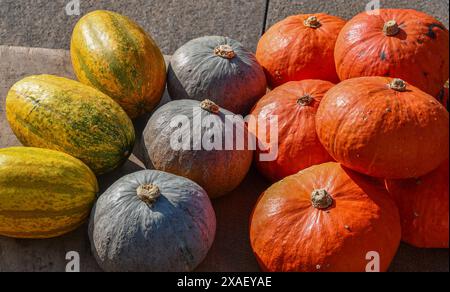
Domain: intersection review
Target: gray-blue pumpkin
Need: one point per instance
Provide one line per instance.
(151, 221)
(200, 129)
(217, 68)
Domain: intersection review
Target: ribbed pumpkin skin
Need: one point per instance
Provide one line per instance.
(418, 54)
(424, 208)
(57, 113)
(43, 193)
(375, 130)
(298, 144)
(217, 171)
(291, 51)
(173, 235)
(196, 73)
(288, 234)
(113, 54)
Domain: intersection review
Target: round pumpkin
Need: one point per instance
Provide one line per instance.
(398, 43)
(216, 68)
(424, 208)
(43, 193)
(383, 127)
(295, 105)
(191, 139)
(300, 47)
(61, 114)
(324, 219)
(443, 96)
(115, 55)
(152, 221)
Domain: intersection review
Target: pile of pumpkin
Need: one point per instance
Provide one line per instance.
(361, 164)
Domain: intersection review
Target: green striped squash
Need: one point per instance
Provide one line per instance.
(115, 55)
(43, 193)
(61, 114)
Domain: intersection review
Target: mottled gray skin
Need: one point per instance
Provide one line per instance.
(174, 235)
(195, 72)
(217, 171)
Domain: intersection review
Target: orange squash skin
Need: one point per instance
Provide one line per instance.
(298, 144)
(424, 208)
(291, 51)
(418, 53)
(288, 234)
(381, 132)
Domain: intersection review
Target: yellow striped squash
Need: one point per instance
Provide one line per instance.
(61, 114)
(43, 193)
(115, 55)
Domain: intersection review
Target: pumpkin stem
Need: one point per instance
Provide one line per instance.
(225, 51)
(305, 100)
(398, 85)
(391, 28)
(148, 193)
(312, 22)
(321, 199)
(210, 106)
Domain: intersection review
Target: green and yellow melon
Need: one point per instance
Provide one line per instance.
(61, 114)
(43, 193)
(115, 55)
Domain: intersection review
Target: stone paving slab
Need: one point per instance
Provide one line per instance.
(43, 23)
(279, 9)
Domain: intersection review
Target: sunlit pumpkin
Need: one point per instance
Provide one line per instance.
(300, 47)
(424, 208)
(384, 128)
(397, 43)
(324, 219)
(294, 104)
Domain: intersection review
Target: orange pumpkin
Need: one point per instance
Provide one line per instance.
(424, 208)
(295, 105)
(327, 219)
(397, 43)
(300, 47)
(384, 128)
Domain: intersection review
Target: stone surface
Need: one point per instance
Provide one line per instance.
(42, 23)
(279, 9)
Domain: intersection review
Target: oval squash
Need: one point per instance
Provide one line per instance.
(113, 54)
(43, 193)
(383, 127)
(151, 221)
(217, 68)
(61, 114)
(324, 219)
